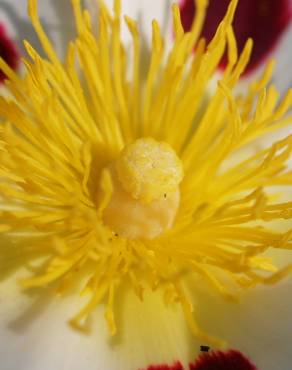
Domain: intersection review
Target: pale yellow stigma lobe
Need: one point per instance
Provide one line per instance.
(146, 195)
(148, 169)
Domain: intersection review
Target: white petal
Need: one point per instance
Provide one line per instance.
(283, 55)
(260, 325)
(56, 16)
(34, 334)
(143, 11)
(282, 77)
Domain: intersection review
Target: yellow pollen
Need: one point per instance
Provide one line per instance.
(146, 194)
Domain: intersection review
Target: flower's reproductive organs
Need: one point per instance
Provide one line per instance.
(145, 194)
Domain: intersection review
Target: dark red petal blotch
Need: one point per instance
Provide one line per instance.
(8, 52)
(262, 20)
(216, 360)
(176, 366)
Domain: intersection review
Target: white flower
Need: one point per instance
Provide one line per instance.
(34, 334)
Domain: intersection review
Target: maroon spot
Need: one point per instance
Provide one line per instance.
(176, 366)
(8, 52)
(216, 360)
(262, 20)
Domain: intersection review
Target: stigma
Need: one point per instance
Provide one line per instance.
(146, 196)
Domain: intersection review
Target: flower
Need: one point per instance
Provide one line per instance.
(263, 20)
(75, 151)
(8, 52)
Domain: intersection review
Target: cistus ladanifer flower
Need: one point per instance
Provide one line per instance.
(110, 181)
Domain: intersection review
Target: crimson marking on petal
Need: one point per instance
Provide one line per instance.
(217, 360)
(175, 366)
(262, 20)
(8, 52)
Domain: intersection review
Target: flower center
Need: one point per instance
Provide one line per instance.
(146, 195)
